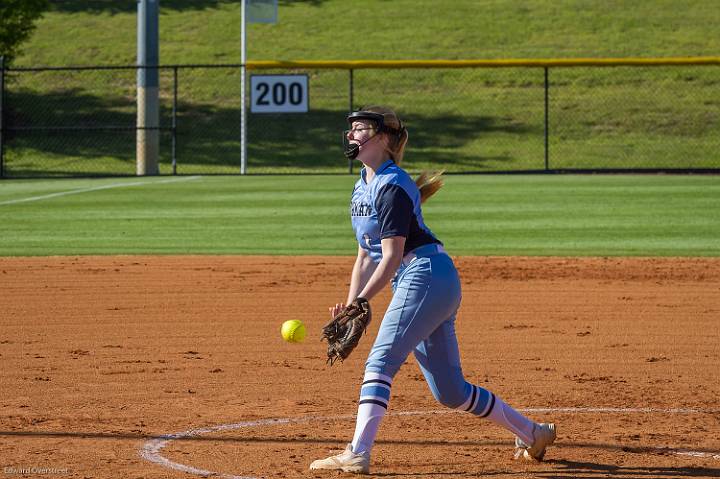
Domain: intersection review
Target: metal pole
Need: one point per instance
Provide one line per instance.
(174, 119)
(352, 94)
(243, 115)
(547, 120)
(2, 114)
(148, 99)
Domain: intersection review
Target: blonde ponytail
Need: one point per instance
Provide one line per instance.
(429, 182)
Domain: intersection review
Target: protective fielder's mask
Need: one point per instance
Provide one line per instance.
(352, 150)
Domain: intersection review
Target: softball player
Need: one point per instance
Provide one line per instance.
(394, 244)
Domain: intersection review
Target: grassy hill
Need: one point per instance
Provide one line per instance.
(208, 31)
(467, 120)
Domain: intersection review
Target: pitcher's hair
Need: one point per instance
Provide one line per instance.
(429, 182)
(395, 131)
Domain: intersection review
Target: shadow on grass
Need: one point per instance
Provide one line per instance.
(102, 140)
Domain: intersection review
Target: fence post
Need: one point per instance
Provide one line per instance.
(350, 109)
(2, 115)
(547, 120)
(174, 119)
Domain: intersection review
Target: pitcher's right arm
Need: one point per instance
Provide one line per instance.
(362, 271)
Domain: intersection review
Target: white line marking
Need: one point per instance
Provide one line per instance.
(96, 188)
(621, 410)
(697, 454)
(151, 449)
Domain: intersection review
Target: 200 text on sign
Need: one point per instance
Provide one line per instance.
(278, 93)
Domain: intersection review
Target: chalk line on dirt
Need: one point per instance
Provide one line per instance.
(151, 450)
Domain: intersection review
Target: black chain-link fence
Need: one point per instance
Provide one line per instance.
(81, 121)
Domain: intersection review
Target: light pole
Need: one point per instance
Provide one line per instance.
(148, 102)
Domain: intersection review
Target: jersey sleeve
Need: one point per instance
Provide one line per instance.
(395, 210)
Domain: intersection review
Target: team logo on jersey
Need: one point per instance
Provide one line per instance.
(360, 209)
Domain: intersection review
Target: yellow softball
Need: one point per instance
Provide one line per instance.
(293, 331)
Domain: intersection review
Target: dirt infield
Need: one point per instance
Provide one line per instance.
(102, 355)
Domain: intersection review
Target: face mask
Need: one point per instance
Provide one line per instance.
(352, 150)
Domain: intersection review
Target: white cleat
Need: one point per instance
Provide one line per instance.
(346, 461)
(543, 435)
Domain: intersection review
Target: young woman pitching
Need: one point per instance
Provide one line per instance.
(394, 244)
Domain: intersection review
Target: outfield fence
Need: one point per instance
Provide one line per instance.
(463, 116)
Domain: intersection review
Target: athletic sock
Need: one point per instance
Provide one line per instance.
(507, 417)
(374, 398)
(483, 403)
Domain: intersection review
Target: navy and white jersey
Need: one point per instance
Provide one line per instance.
(388, 206)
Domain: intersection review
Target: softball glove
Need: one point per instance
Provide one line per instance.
(343, 332)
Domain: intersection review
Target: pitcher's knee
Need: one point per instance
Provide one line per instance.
(383, 365)
(452, 395)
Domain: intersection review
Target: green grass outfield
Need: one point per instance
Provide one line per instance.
(559, 215)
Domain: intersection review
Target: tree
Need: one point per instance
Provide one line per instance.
(17, 21)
